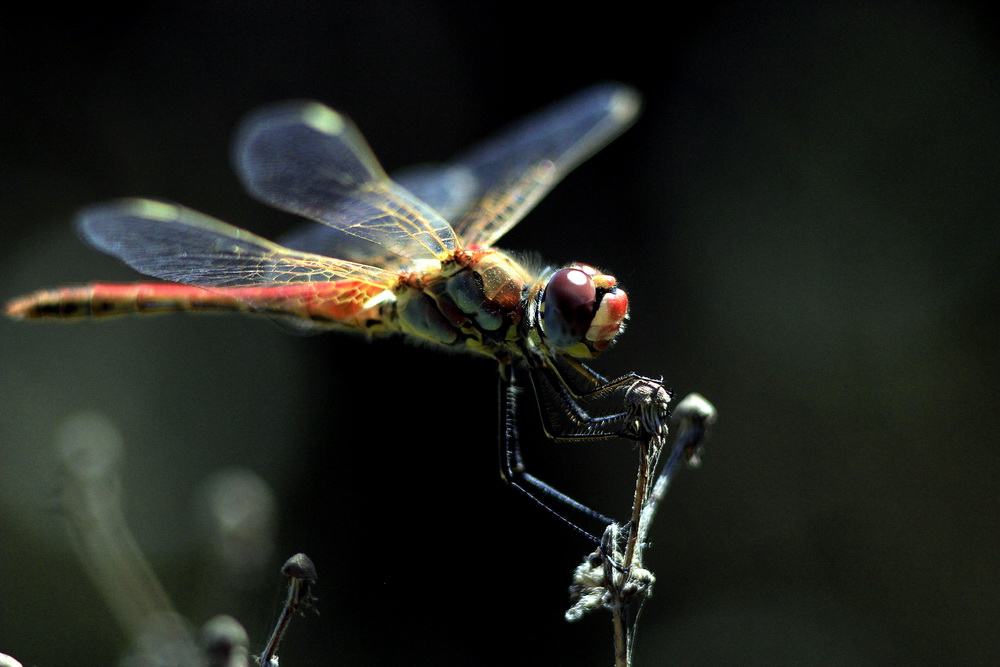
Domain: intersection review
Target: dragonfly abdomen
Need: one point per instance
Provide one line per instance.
(113, 299)
(341, 302)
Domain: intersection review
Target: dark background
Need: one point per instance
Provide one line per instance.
(805, 218)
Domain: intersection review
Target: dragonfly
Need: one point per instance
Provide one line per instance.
(411, 255)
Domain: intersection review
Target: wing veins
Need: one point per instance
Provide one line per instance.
(179, 244)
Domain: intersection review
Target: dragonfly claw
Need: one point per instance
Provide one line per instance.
(647, 401)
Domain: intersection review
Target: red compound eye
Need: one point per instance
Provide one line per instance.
(570, 302)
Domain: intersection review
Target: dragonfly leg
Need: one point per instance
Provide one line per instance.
(512, 468)
(639, 412)
(638, 406)
(511, 462)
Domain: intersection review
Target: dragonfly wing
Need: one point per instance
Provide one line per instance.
(323, 240)
(564, 135)
(447, 188)
(503, 206)
(181, 245)
(307, 159)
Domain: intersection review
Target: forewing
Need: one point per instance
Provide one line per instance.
(562, 135)
(307, 159)
(503, 206)
(325, 240)
(181, 245)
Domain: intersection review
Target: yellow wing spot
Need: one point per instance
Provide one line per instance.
(323, 118)
(625, 105)
(155, 210)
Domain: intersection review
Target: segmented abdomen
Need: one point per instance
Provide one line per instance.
(343, 303)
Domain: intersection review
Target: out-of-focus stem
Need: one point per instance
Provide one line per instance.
(89, 451)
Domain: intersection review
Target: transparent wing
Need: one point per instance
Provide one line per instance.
(307, 159)
(323, 240)
(563, 135)
(181, 245)
(503, 206)
(497, 211)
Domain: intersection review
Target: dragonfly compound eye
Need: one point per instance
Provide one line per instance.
(570, 301)
(582, 310)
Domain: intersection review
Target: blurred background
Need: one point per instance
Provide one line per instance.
(805, 217)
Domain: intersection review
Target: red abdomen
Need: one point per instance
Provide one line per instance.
(343, 302)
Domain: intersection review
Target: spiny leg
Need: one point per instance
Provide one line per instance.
(641, 412)
(639, 405)
(512, 468)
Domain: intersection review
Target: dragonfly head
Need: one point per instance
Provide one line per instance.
(582, 310)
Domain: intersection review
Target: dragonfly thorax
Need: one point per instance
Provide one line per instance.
(581, 311)
(476, 300)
